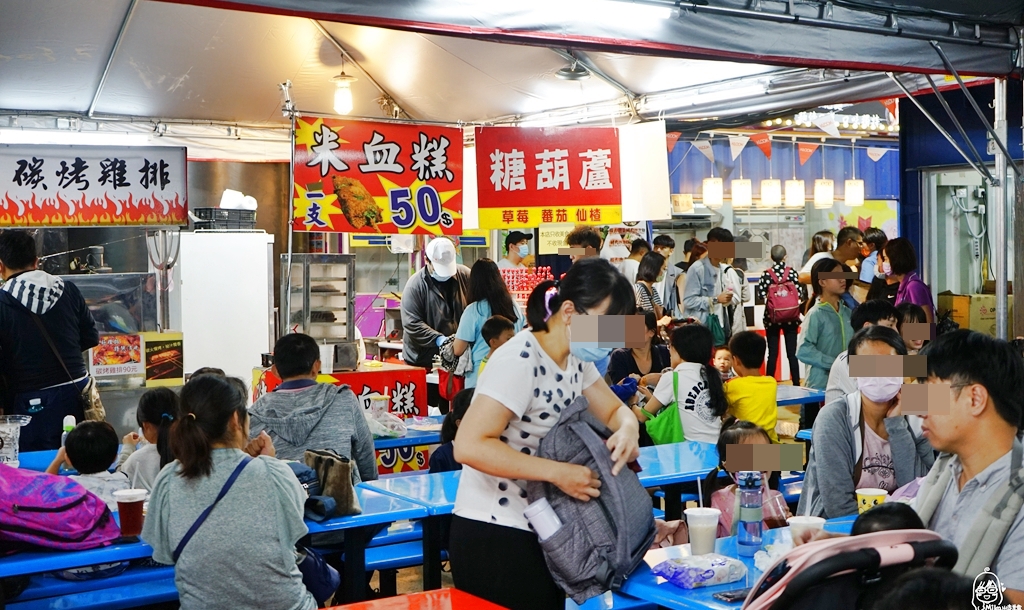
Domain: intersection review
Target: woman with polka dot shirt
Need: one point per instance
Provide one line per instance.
(519, 397)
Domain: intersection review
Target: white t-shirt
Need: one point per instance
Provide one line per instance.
(629, 267)
(695, 412)
(142, 466)
(817, 257)
(104, 484)
(507, 264)
(521, 376)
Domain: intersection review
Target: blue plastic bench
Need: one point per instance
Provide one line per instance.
(118, 597)
(791, 477)
(409, 531)
(42, 586)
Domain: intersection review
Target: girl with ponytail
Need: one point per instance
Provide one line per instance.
(527, 385)
(251, 531)
(698, 386)
(157, 411)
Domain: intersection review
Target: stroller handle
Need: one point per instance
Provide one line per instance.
(863, 560)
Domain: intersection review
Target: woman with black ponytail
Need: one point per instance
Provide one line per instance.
(157, 410)
(243, 554)
(519, 397)
(694, 384)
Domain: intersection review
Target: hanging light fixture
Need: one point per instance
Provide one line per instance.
(796, 195)
(854, 188)
(741, 193)
(343, 91)
(713, 194)
(573, 72)
(824, 189)
(771, 193)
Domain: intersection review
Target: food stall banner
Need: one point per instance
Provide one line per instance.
(117, 354)
(532, 175)
(89, 186)
(368, 177)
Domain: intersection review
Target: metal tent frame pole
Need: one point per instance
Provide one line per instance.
(999, 215)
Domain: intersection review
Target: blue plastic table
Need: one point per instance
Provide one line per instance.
(377, 508)
(789, 395)
(35, 562)
(40, 460)
(643, 584)
(804, 435)
(669, 466)
(434, 492)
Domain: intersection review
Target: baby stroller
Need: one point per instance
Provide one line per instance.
(846, 573)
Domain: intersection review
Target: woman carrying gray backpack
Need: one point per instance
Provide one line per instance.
(520, 396)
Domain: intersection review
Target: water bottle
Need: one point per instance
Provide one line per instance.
(748, 539)
(68, 425)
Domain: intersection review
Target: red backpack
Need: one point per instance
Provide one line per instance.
(783, 301)
(48, 511)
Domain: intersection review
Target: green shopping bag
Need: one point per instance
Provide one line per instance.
(665, 428)
(715, 326)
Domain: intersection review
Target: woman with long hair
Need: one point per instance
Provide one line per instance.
(519, 397)
(243, 554)
(488, 296)
(651, 270)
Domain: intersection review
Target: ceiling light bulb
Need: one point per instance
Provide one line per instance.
(741, 193)
(343, 93)
(771, 193)
(778, 121)
(796, 196)
(824, 194)
(854, 193)
(712, 193)
(789, 122)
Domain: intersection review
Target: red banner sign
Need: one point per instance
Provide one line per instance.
(365, 177)
(92, 186)
(529, 176)
(764, 142)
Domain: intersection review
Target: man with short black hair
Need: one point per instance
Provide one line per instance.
(705, 291)
(517, 249)
(868, 313)
(849, 243)
(670, 286)
(584, 237)
(631, 264)
(302, 414)
(45, 326)
(978, 472)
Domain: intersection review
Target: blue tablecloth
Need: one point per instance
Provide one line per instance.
(644, 585)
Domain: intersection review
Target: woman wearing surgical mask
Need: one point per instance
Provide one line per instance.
(863, 439)
(519, 397)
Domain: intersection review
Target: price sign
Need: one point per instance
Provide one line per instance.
(377, 178)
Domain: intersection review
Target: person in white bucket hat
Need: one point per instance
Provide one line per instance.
(432, 306)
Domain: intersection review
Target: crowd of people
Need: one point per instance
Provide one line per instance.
(695, 361)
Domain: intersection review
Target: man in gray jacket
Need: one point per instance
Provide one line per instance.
(432, 305)
(302, 414)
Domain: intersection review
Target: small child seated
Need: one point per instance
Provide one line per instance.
(157, 411)
(887, 516)
(751, 395)
(496, 331)
(727, 499)
(442, 459)
(723, 362)
(91, 449)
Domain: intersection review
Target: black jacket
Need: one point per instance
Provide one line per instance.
(26, 360)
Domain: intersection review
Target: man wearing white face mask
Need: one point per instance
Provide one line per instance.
(863, 440)
(517, 249)
(432, 305)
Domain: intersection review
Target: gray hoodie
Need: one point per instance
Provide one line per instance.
(829, 490)
(320, 416)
